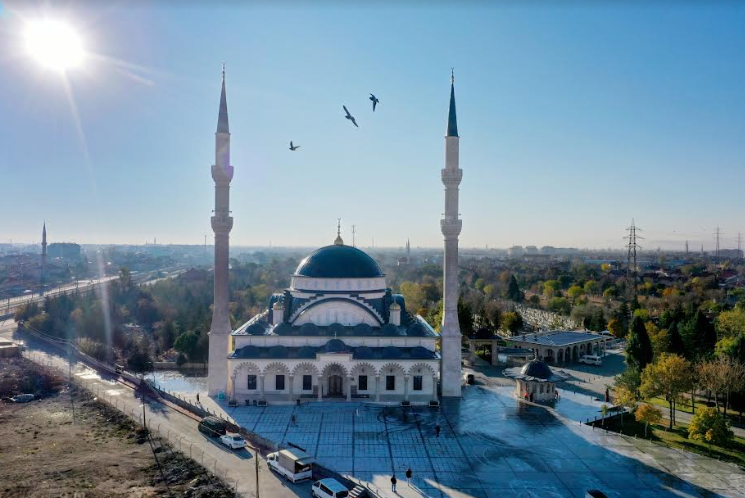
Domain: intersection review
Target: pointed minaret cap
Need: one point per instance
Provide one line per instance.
(222, 119)
(452, 121)
(338, 241)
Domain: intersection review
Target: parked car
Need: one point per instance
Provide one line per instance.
(22, 398)
(233, 441)
(594, 493)
(328, 488)
(591, 359)
(212, 426)
(293, 464)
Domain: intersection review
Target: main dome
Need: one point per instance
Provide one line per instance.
(338, 261)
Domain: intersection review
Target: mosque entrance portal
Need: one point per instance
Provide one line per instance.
(335, 386)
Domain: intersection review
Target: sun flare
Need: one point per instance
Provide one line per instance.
(54, 44)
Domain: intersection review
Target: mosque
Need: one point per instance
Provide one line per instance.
(338, 332)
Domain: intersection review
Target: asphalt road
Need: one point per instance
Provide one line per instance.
(236, 468)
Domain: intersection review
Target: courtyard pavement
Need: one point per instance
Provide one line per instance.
(490, 445)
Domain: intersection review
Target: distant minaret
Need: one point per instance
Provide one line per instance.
(408, 248)
(42, 274)
(450, 369)
(222, 223)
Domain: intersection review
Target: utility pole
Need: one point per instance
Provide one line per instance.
(717, 233)
(353, 234)
(739, 245)
(633, 247)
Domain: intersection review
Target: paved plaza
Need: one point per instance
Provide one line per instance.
(490, 445)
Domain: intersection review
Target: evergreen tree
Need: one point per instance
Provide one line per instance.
(513, 290)
(622, 315)
(676, 342)
(699, 336)
(638, 346)
(465, 318)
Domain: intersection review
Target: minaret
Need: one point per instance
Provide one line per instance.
(42, 274)
(222, 223)
(450, 369)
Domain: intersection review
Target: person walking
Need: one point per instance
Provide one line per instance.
(437, 430)
(294, 420)
(198, 398)
(393, 483)
(408, 476)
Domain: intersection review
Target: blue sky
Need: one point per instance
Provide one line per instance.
(574, 118)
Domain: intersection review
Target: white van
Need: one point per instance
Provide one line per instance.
(293, 464)
(591, 359)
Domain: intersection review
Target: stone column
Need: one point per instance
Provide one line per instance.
(320, 387)
(231, 387)
(471, 350)
(349, 388)
(261, 387)
(377, 388)
(434, 387)
(406, 387)
(292, 379)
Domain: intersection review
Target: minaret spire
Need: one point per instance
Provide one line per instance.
(450, 365)
(222, 223)
(42, 273)
(452, 119)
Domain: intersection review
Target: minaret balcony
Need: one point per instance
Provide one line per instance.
(222, 223)
(222, 173)
(452, 177)
(451, 227)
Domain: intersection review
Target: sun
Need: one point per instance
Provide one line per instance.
(54, 44)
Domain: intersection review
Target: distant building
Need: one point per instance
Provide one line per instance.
(515, 252)
(68, 250)
(531, 250)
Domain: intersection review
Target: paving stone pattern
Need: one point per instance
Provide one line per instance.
(490, 445)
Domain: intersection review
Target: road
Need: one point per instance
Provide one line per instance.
(236, 468)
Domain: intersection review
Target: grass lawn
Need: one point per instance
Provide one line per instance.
(685, 406)
(677, 438)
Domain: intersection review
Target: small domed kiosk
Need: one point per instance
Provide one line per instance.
(535, 381)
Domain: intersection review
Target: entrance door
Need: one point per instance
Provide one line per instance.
(335, 387)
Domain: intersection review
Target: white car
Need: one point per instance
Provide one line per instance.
(233, 441)
(328, 488)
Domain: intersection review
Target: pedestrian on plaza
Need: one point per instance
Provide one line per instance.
(393, 483)
(437, 430)
(556, 395)
(294, 419)
(198, 398)
(408, 476)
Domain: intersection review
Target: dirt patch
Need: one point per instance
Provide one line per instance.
(21, 376)
(99, 452)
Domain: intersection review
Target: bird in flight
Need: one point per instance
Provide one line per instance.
(375, 101)
(293, 147)
(349, 116)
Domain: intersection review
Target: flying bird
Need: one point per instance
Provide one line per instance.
(374, 101)
(349, 116)
(293, 147)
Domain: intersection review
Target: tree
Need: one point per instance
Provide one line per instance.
(615, 328)
(592, 287)
(730, 323)
(575, 292)
(731, 347)
(465, 318)
(493, 312)
(513, 290)
(669, 376)
(187, 343)
(648, 414)
(413, 294)
(659, 338)
(604, 410)
(624, 397)
(140, 361)
(560, 305)
(675, 342)
(699, 336)
(630, 379)
(550, 288)
(512, 321)
(710, 426)
(638, 346)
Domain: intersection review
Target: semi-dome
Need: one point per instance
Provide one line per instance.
(536, 368)
(338, 261)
